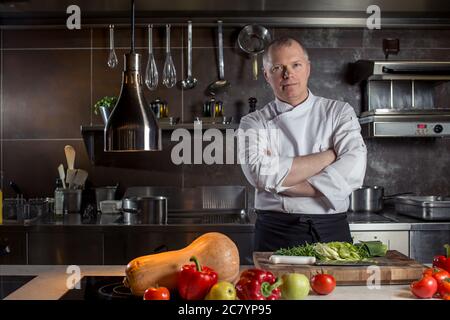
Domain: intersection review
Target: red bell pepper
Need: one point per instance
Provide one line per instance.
(195, 281)
(443, 262)
(258, 284)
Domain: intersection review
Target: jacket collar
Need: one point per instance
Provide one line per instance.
(283, 107)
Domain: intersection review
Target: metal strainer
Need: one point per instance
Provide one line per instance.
(253, 39)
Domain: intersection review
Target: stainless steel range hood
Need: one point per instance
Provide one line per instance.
(401, 98)
(307, 13)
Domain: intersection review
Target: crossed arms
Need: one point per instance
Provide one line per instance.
(304, 167)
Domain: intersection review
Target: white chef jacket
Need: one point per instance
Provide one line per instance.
(270, 138)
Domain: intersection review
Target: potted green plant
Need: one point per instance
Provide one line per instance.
(104, 106)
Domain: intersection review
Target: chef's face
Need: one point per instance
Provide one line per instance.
(287, 71)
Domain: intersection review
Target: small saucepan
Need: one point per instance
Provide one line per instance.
(370, 199)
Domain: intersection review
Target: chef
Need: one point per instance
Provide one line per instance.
(304, 155)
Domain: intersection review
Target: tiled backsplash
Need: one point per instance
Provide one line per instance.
(51, 78)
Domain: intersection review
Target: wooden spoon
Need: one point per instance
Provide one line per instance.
(70, 156)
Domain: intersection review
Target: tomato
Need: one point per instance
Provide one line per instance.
(444, 289)
(424, 288)
(323, 283)
(159, 293)
(437, 273)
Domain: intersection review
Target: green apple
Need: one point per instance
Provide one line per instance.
(295, 286)
(222, 290)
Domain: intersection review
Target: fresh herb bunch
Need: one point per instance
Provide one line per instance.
(337, 251)
(302, 250)
(108, 102)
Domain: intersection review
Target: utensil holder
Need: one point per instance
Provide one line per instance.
(72, 200)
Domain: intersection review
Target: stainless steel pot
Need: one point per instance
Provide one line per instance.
(369, 199)
(152, 210)
(145, 210)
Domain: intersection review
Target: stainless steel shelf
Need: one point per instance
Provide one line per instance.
(169, 127)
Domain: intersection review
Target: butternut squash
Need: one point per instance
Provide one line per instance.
(213, 249)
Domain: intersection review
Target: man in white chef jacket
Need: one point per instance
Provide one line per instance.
(304, 155)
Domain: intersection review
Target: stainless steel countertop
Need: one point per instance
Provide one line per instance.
(389, 219)
(386, 220)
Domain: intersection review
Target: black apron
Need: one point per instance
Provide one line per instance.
(275, 230)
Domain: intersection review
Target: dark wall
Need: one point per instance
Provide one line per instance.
(51, 78)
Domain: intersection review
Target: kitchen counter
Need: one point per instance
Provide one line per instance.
(385, 220)
(108, 241)
(50, 284)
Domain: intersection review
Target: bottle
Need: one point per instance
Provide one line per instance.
(157, 108)
(212, 106)
(59, 198)
(206, 109)
(218, 109)
(252, 104)
(166, 109)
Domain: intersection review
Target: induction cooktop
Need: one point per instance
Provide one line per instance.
(99, 288)
(105, 288)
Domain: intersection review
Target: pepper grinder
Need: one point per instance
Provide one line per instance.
(252, 104)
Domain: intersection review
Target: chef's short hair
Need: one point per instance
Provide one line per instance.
(282, 42)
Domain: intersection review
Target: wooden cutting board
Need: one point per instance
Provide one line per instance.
(394, 268)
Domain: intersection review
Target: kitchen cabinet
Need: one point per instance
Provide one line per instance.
(112, 245)
(79, 248)
(425, 244)
(122, 247)
(13, 248)
(395, 240)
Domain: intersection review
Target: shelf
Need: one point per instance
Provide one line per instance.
(93, 139)
(169, 127)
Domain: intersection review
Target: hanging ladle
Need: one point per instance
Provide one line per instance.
(221, 84)
(190, 82)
